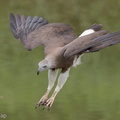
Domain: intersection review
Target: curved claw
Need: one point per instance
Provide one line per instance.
(36, 106)
(46, 103)
(43, 108)
(49, 108)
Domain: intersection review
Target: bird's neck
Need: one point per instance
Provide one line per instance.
(54, 57)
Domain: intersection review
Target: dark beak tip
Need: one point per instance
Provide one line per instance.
(38, 72)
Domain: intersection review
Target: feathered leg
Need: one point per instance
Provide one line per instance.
(52, 75)
(61, 81)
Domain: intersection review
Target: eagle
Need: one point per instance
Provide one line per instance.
(62, 48)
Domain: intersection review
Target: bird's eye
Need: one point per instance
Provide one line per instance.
(45, 66)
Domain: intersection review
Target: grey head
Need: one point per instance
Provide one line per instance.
(43, 65)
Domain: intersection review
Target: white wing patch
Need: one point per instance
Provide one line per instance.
(77, 60)
(87, 32)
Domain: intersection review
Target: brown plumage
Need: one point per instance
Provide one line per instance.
(62, 48)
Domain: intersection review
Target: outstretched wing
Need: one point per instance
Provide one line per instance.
(105, 41)
(22, 27)
(91, 43)
(33, 32)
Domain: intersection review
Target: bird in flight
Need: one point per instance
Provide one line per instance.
(62, 48)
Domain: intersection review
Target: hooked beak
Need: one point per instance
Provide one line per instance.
(38, 72)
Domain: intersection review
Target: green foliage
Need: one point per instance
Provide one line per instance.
(92, 90)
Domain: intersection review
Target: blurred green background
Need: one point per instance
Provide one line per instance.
(92, 91)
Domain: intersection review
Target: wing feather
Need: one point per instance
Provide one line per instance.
(23, 21)
(36, 31)
(40, 20)
(105, 41)
(28, 21)
(91, 43)
(18, 21)
(82, 44)
(22, 27)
